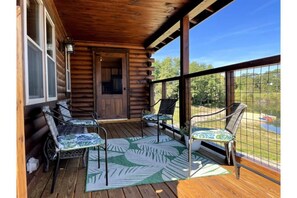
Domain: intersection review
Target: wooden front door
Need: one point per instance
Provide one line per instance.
(111, 85)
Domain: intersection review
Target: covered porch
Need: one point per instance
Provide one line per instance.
(111, 73)
(71, 180)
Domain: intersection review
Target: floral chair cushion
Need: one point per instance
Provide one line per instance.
(154, 117)
(79, 141)
(218, 135)
(83, 122)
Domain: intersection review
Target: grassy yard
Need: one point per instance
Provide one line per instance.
(252, 140)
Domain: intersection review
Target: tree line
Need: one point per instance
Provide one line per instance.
(259, 89)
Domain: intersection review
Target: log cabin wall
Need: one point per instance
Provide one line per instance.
(83, 78)
(82, 94)
(35, 126)
(140, 71)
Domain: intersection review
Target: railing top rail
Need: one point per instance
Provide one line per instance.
(166, 80)
(248, 64)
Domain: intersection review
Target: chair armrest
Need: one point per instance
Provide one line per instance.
(92, 113)
(193, 122)
(68, 123)
(211, 114)
(155, 103)
(143, 111)
(214, 120)
(104, 132)
(60, 121)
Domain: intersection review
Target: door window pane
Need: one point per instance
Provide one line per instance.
(35, 72)
(33, 20)
(111, 75)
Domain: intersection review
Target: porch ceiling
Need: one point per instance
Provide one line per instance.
(151, 24)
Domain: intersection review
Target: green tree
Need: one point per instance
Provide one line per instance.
(205, 89)
(167, 68)
(260, 91)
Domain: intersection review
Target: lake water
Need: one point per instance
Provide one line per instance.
(271, 127)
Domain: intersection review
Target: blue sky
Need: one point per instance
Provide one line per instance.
(243, 30)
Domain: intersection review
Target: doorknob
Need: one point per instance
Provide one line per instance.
(124, 88)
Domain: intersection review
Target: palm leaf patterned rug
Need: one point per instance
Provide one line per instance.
(136, 160)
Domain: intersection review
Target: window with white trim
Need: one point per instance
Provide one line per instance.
(50, 58)
(40, 54)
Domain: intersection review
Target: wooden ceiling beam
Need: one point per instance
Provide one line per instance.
(172, 24)
(197, 12)
(193, 21)
(209, 9)
(100, 44)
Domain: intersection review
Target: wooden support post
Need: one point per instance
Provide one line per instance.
(230, 98)
(20, 138)
(184, 89)
(152, 95)
(230, 89)
(163, 90)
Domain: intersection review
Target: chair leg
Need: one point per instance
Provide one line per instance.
(46, 165)
(106, 166)
(236, 168)
(97, 130)
(84, 158)
(190, 157)
(227, 153)
(158, 132)
(55, 172)
(98, 156)
(141, 127)
(172, 129)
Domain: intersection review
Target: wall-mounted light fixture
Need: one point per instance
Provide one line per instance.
(69, 45)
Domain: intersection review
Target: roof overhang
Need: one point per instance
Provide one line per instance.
(198, 11)
(139, 23)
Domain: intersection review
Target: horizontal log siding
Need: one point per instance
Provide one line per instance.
(139, 71)
(35, 126)
(82, 94)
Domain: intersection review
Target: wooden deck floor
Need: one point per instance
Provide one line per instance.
(71, 179)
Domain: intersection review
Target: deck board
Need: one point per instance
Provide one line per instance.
(37, 186)
(100, 194)
(71, 179)
(116, 193)
(147, 191)
(163, 190)
(132, 192)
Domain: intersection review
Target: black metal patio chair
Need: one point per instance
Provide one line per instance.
(73, 145)
(49, 150)
(226, 135)
(65, 110)
(166, 112)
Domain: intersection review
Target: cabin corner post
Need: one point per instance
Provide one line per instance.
(184, 91)
(21, 155)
